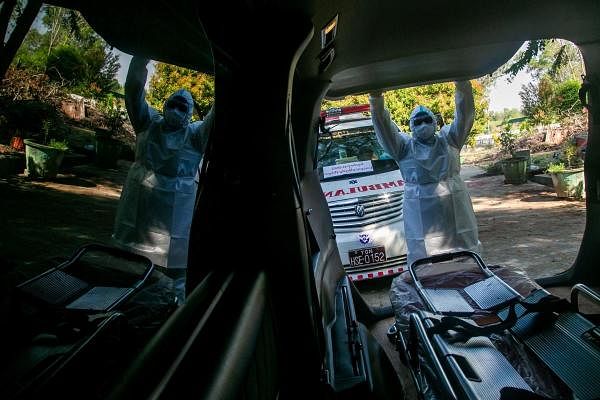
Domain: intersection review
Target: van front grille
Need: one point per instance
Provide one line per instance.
(357, 213)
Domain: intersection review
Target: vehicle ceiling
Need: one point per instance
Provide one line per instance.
(379, 43)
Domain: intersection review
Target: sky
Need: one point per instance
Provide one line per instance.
(505, 94)
(124, 60)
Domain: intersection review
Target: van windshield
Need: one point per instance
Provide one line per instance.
(351, 151)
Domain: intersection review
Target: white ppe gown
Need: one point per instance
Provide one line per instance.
(438, 213)
(156, 207)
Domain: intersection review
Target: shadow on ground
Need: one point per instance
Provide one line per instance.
(49, 220)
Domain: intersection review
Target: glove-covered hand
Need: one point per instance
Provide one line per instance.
(462, 84)
(140, 60)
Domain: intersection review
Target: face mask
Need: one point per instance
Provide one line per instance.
(175, 118)
(424, 132)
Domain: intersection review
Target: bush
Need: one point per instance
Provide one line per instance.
(542, 161)
(566, 98)
(508, 140)
(114, 116)
(66, 63)
(556, 168)
(59, 144)
(28, 117)
(26, 99)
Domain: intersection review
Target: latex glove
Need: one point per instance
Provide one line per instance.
(462, 84)
(140, 60)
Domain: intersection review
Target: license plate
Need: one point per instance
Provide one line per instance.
(368, 256)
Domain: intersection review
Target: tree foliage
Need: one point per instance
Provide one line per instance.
(505, 115)
(69, 51)
(556, 66)
(26, 100)
(168, 78)
(557, 58)
(438, 97)
(548, 101)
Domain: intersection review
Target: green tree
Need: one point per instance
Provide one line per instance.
(168, 78)
(438, 97)
(556, 66)
(560, 59)
(548, 101)
(32, 55)
(71, 53)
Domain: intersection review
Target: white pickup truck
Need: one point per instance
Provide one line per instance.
(364, 190)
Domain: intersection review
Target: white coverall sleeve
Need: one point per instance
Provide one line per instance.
(464, 114)
(388, 134)
(140, 113)
(201, 130)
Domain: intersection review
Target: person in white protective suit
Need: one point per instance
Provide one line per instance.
(155, 211)
(438, 213)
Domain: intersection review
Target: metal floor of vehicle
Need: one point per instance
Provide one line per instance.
(379, 331)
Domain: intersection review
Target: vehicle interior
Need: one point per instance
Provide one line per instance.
(279, 318)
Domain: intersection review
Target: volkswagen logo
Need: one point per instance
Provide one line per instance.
(359, 210)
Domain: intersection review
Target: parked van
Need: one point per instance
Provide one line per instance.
(364, 190)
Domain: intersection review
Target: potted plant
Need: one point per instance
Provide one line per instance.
(514, 167)
(567, 174)
(43, 160)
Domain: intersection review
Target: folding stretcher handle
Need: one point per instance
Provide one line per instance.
(447, 257)
(416, 324)
(580, 288)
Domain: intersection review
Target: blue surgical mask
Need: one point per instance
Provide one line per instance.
(424, 132)
(175, 118)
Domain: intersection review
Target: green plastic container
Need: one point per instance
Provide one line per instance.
(42, 161)
(515, 170)
(523, 153)
(569, 183)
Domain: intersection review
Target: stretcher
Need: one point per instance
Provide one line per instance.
(74, 326)
(88, 281)
(466, 331)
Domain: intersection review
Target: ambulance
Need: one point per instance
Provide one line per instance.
(364, 190)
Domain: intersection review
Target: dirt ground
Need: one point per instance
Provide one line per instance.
(524, 226)
(46, 220)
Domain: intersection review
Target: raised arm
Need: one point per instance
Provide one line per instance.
(201, 130)
(464, 114)
(135, 97)
(388, 134)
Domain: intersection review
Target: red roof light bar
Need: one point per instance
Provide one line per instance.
(345, 110)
